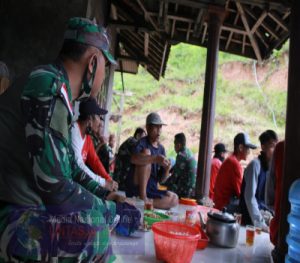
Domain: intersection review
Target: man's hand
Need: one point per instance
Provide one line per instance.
(163, 161)
(111, 185)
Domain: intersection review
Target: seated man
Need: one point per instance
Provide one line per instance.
(229, 179)
(54, 201)
(85, 154)
(150, 166)
(218, 159)
(273, 191)
(123, 164)
(183, 178)
(253, 187)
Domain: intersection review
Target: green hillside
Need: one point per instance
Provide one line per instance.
(240, 104)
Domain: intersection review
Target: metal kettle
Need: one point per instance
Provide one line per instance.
(222, 229)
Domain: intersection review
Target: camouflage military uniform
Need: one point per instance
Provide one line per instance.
(183, 178)
(123, 164)
(72, 224)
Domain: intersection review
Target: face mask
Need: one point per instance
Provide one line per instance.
(86, 87)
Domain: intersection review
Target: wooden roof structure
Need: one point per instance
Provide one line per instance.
(146, 29)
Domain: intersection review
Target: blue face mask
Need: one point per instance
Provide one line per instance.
(86, 87)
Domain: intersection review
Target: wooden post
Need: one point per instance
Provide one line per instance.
(208, 111)
(292, 132)
(109, 97)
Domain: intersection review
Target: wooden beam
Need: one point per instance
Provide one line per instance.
(173, 28)
(204, 33)
(259, 21)
(163, 59)
(176, 8)
(114, 12)
(198, 23)
(244, 43)
(189, 3)
(234, 29)
(231, 33)
(266, 27)
(166, 10)
(188, 32)
(161, 21)
(146, 44)
(208, 109)
(278, 20)
(146, 14)
(250, 35)
(180, 18)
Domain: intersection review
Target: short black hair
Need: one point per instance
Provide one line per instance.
(138, 130)
(267, 136)
(180, 138)
(72, 50)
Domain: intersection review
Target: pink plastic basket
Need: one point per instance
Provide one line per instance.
(175, 242)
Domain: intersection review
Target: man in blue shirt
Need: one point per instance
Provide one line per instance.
(150, 167)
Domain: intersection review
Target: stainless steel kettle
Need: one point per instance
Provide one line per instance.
(222, 229)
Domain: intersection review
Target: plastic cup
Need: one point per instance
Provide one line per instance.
(250, 234)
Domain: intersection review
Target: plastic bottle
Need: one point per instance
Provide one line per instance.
(293, 238)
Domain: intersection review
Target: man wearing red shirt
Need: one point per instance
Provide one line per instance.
(229, 179)
(216, 162)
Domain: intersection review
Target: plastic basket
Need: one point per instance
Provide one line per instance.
(175, 242)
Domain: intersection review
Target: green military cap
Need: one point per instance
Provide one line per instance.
(85, 31)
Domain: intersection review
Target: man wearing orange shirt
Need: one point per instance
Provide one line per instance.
(216, 162)
(229, 179)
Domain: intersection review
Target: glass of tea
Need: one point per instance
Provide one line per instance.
(148, 204)
(250, 234)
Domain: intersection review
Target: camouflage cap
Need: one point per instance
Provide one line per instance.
(85, 31)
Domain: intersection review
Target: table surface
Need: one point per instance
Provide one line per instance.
(140, 248)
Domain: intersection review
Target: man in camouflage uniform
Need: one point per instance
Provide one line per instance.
(123, 163)
(54, 213)
(183, 178)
